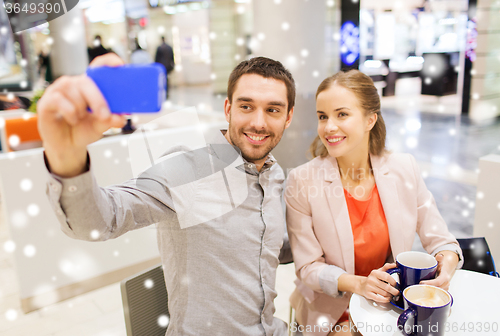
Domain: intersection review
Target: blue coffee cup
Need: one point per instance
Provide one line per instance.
(429, 307)
(413, 267)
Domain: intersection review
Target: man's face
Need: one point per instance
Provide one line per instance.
(257, 116)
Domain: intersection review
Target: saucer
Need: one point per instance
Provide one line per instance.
(400, 303)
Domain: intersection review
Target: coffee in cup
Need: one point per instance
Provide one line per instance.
(429, 306)
(434, 301)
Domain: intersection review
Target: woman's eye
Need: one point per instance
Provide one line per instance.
(322, 117)
(342, 114)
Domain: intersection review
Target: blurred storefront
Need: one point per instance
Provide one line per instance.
(16, 58)
(414, 47)
(410, 48)
(107, 18)
(185, 25)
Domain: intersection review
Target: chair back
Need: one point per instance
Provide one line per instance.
(145, 303)
(477, 256)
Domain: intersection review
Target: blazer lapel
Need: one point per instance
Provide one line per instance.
(388, 192)
(334, 193)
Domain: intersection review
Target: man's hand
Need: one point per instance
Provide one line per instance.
(66, 126)
(447, 263)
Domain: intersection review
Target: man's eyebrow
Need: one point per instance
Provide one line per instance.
(244, 99)
(272, 103)
(277, 103)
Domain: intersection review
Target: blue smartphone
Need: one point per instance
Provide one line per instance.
(131, 88)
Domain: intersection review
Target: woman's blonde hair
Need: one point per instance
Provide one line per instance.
(365, 91)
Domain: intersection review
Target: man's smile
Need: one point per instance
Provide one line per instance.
(256, 139)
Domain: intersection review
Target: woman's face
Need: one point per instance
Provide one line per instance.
(342, 125)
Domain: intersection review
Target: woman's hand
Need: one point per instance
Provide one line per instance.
(447, 263)
(378, 286)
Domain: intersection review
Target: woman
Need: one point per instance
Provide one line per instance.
(354, 207)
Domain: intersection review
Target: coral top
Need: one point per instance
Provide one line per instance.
(370, 233)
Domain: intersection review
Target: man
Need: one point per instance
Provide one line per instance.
(165, 56)
(139, 55)
(220, 274)
(97, 49)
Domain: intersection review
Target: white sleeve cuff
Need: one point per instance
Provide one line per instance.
(454, 248)
(329, 280)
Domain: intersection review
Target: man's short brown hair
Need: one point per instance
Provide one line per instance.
(266, 68)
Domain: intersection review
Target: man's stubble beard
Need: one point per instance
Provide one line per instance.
(233, 135)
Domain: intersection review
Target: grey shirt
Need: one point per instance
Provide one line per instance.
(220, 274)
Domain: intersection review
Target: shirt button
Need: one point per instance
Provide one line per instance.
(72, 188)
(59, 212)
(54, 187)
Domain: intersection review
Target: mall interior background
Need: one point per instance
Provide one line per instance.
(424, 56)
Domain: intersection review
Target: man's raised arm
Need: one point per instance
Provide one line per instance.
(84, 210)
(65, 125)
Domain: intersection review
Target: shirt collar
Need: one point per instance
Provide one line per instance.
(220, 147)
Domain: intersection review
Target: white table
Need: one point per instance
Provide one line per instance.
(476, 302)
